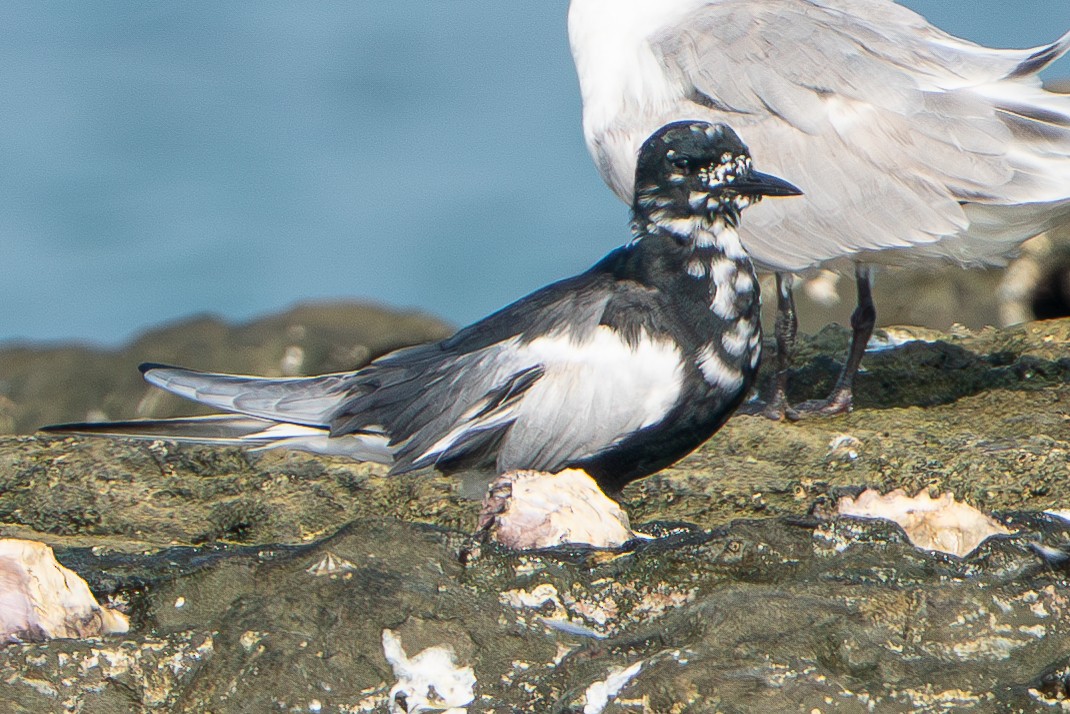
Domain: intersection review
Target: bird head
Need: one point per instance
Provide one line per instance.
(692, 171)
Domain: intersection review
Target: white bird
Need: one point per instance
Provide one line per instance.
(912, 145)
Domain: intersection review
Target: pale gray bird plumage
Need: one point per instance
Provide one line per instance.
(911, 144)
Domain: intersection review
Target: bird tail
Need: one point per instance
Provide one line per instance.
(289, 413)
(213, 429)
(1037, 197)
(240, 430)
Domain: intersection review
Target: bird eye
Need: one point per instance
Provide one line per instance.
(682, 163)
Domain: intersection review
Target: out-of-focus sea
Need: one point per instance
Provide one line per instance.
(159, 159)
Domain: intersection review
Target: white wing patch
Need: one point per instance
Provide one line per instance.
(648, 375)
(596, 390)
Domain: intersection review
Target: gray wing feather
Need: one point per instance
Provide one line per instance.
(441, 410)
(457, 410)
(299, 400)
(531, 403)
(213, 429)
(903, 145)
(888, 124)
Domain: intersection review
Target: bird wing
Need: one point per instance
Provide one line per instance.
(597, 389)
(885, 122)
(535, 386)
(212, 429)
(264, 413)
(238, 430)
(297, 400)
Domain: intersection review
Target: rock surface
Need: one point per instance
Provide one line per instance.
(51, 384)
(266, 581)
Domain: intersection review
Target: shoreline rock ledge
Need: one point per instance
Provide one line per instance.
(266, 581)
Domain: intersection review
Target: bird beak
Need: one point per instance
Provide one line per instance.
(756, 183)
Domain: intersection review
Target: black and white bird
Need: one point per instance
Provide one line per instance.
(619, 371)
(913, 146)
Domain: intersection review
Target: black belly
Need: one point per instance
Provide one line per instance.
(689, 425)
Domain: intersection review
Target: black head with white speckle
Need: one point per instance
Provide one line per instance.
(695, 170)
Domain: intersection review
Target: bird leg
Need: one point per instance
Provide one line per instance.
(774, 405)
(841, 400)
(784, 331)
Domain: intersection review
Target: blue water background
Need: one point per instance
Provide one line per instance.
(159, 159)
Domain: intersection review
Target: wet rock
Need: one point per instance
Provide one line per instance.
(758, 614)
(265, 581)
(117, 675)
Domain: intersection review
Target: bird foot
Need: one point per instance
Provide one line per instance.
(776, 408)
(773, 406)
(838, 403)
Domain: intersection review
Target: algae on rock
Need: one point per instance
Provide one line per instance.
(757, 604)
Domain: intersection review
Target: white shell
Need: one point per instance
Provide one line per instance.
(430, 681)
(330, 564)
(39, 598)
(940, 524)
(530, 509)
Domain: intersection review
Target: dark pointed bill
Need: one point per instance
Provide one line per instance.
(756, 183)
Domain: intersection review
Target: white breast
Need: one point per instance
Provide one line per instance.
(618, 71)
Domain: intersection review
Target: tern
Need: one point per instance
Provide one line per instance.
(618, 371)
(913, 146)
